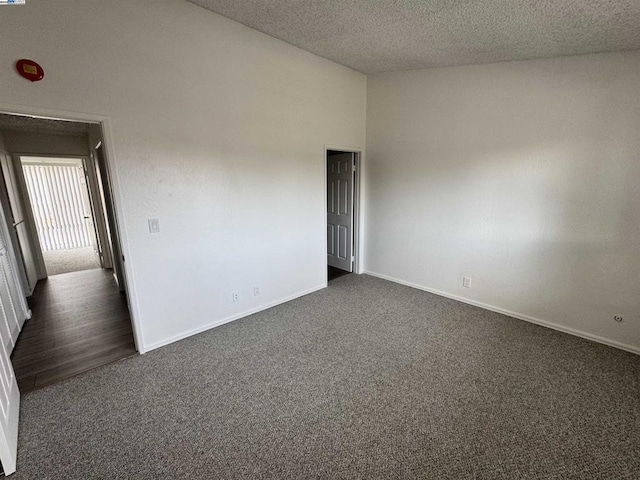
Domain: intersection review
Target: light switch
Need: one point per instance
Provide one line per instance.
(154, 225)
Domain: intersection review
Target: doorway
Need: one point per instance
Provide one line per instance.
(343, 187)
(58, 325)
(59, 195)
(56, 195)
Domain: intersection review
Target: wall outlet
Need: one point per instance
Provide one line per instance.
(466, 282)
(256, 291)
(235, 296)
(154, 225)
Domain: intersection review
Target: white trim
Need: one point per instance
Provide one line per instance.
(114, 180)
(113, 175)
(232, 318)
(519, 316)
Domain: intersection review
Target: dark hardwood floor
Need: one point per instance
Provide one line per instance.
(336, 272)
(80, 321)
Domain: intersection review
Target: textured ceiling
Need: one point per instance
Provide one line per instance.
(378, 35)
(17, 123)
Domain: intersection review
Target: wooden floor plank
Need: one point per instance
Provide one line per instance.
(26, 383)
(63, 372)
(71, 352)
(55, 329)
(80, 321)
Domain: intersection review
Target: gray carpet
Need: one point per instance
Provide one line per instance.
(365, 379)
(73, 260)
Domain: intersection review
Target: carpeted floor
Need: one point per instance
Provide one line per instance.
(73, 260)
(365, 379)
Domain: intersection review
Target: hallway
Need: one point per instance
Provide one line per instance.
(80, 321)
(70, 260)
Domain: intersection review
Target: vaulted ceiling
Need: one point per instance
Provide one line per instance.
(389, 35)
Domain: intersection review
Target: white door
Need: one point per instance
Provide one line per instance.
(340, 169)
(88, 208)
(11, 318)
(9, 393)
(102, 173)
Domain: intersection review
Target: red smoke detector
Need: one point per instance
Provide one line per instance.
(30, 70)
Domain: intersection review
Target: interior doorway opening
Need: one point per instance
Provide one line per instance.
(343, 191)
(56, 325)
(60, 220)
(58, 190)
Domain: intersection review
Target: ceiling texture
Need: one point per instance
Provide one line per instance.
(389, 35)
(19, 123)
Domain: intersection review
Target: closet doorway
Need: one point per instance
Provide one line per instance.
(343, 191)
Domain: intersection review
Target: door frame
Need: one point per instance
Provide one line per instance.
(115, 183)
(30, 217)
(358, 201)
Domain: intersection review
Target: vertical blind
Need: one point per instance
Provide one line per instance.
(58, 205)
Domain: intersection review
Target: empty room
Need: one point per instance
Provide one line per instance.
(392, 239)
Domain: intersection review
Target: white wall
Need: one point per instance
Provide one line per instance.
(215, 129)
(524, 176)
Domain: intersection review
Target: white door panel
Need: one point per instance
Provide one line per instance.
(9, 413)
(340, 211)
(331, 242)
(10, 323)
(13, 312)
(102, 172)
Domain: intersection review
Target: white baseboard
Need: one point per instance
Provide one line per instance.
(217, 323)
(520, 316)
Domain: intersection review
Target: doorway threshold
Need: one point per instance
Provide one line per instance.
(336, 272)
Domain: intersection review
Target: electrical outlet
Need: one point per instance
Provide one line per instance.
(154, 225)
(466, 282)
(618, 318)
(256, 291)
(235, 296)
